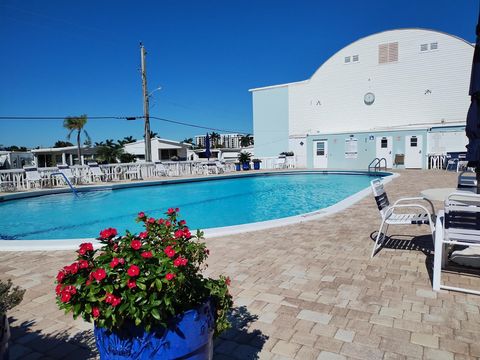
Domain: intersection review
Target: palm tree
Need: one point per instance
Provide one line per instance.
(246, 140)
(188, 141)
(152, 134)
(76, 123)
(214, 138)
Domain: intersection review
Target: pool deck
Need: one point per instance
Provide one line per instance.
(304, 291)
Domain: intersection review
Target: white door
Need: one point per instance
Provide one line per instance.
(320, 154)
(384, 149)
(413, 151)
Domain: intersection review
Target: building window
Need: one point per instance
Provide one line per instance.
(355, 58)
(347, 59)
(434, 46)
(320, 148)
(384, 143)
(424, 47)
(413, 141)
(387, 53)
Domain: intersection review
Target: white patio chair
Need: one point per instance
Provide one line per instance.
(160, 169)
(6, 185)
(65, 170)
(133, 173)
(391, 217)
(96, 172)
(220, 167)
(280, 163)
(459, 224)
(33, 177)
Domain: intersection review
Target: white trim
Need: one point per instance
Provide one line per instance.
(278, 86)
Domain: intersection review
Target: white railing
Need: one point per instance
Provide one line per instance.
(275, 162)
(15, 179)
(437, 161)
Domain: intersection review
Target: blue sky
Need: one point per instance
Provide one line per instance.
(60, 58)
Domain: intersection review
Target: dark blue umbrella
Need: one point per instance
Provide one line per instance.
(472, 129)
(208, 153)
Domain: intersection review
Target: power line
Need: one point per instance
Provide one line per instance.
(124, 118)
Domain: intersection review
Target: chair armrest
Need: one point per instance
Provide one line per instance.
(416, 198)
(391, 208)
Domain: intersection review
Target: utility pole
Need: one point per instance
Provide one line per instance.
(146, 106)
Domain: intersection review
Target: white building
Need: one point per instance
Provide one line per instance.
(229, 141)
(398, 92)
(46, 157)
(162, 150)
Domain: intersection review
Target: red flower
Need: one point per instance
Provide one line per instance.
(169, 276)
(88, 282)
(151, 221)
(131, 283)
(84, 248)
(58, 289)
(95, 312)
(167, 223)
(116, 301)
(108, 233)
(115, 261)
(182, 222)
(133, 270)
(143, 235)
(180, 261)
(60, 276)
(169, 251)
(187, 233)
(72, 269)
(178, 234)
(177, 209)
(99, 274)
(160, 221)
(146, 254)
(207, 251)
(66, 296)
(109, 298)
(227, 281)
(141, 214)
(83, 264)
(171, 211)
(136, 244)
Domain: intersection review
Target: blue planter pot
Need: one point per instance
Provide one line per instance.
(237, 167)
(188, 336)
(256, 166)
(246, 166)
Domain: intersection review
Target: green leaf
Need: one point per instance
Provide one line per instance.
(158, 284)
(141, 285)
(88, 308)
(155, 314)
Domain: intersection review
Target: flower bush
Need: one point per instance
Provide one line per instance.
(144, 279)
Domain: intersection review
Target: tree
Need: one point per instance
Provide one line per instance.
(109, 153)
(76, 123)
(246, 140)
(61, 143)
(214, 138)
(188, 141)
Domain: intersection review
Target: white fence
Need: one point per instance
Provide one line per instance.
(16, 180)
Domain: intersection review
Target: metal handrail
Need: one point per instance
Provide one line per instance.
(74, 191)
(376, 164)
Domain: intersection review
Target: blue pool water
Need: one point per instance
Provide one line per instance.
(205, 204)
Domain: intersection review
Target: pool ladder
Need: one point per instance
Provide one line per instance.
(74, 191)
(376, 164)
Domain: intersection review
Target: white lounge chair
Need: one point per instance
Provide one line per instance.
(390, 217)
(96, 172)
(467, 180)
(6, 185)
(33, 177)
(133, 173)
(459, 224)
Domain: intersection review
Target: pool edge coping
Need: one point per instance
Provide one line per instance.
(70, 244)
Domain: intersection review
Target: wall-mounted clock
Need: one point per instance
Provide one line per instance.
(369, 98)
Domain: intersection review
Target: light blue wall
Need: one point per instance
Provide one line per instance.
(366, 148)
(270, 121)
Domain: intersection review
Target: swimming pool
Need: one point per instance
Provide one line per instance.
(204, 204)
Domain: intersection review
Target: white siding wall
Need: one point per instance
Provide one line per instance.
(399, 87)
